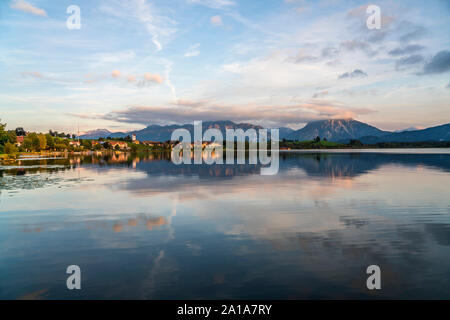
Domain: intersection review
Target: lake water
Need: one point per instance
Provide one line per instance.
(144, 228)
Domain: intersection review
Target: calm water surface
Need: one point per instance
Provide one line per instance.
(142, 227)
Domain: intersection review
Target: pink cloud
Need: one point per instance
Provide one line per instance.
(116, 74)
(216, 21)
(153, 78)
(27, 7)
(188, 111)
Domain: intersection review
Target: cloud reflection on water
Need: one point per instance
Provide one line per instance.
(309, 230)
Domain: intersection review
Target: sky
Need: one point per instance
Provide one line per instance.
(132, 63)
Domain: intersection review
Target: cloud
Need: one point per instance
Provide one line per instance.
(233, 68)
(192, 51)
(189, 111)
(330, 52)
(410, 60)
(156, 78)
(156, 25)
(357, 73)
(406, 50)
(46, 77)
(300, 10)
(116, 74)
(215, 4)
(148, 77)
(167, 70)
(377, 35)
(145, 79)
(302, 57)
(361, 14)
(355, 45)
(92, 78)
(191, 103)
(25, 6)
(216, 21)
(440, 63)
(448, 86)
(33, 74)
(320, 94)
(159, 26)
(111, 58)
(412, 31)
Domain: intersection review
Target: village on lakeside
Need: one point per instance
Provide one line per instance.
(18, 142)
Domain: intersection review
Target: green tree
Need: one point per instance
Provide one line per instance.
(98, 146)
(2, 126)
(3, 134)
(27, 144)
(12, 137)
(50, 141)
(65, 142)
(355, 143)
(86, 143)
(317, 139)
(31, 142)
(10, 148)
(42, 142)
(60, 146)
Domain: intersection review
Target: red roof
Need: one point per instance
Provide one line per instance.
(20, 139)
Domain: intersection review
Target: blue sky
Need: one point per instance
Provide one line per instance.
(275, 63)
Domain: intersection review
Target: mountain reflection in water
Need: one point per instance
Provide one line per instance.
(143, 227)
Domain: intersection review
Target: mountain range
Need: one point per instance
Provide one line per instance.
(338, 130)
(164, 133)
(335, 130)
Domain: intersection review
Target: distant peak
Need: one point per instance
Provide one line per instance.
(331, 121)
(343, 119)
(337, 119)
(96, 130)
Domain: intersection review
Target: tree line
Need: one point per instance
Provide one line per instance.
(33, 141)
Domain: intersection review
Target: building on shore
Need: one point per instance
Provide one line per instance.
(75, 143)
(153, 143)
(19, 140)
(134, 140)
(121, 144)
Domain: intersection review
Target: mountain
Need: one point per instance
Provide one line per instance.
(336, 130)
(438, 133)
(410, 129)
(339, 130)
(284, 132)
(95, 134)
(164, 133)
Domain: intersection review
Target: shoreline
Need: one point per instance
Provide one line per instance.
(372, 150)
(59, 154)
